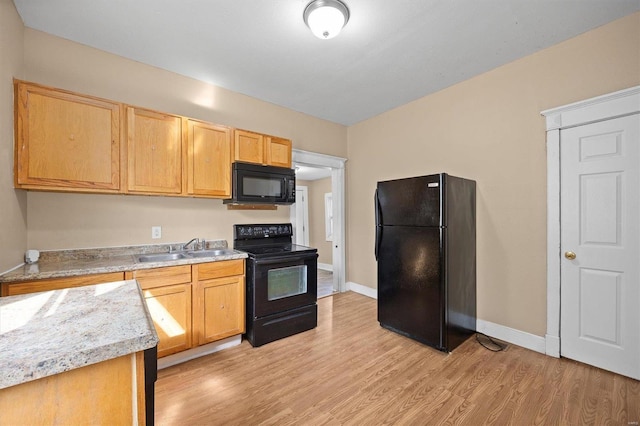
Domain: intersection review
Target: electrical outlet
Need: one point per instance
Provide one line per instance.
(156, 232)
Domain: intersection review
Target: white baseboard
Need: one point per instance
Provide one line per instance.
(325, 267)
(199, 351)
(362, 289)
(501, 332)
(511, 335)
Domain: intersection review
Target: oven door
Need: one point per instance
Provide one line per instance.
(283, 283)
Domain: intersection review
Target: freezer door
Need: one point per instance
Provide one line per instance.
(410, 202)
(410, 285)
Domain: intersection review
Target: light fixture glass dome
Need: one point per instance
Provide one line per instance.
(326, 18)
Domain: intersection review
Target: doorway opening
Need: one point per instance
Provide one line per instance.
(320, 178)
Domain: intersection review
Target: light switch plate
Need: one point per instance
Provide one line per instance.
(156, 232)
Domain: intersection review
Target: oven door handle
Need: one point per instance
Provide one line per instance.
(285, 259)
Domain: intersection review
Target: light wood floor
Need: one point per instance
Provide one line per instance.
(351, 371)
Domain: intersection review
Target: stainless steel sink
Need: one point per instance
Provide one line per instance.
(162, 257)
(210, 253)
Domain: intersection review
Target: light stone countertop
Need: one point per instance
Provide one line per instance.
(69, 263)
(47, 333)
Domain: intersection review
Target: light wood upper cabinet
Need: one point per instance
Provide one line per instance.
(71, 142)
(208, 159)
(261, 149)
(248, 147)
(278, 151)
(66, 141)
(154, 152)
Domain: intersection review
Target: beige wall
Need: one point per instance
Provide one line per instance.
(317, 237)
(79, 220)
(13, 203)
(489, 129)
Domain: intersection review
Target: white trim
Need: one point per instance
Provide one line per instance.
(339, 218)
(199, 351)
(605, 107)
(325, 267)
(511, 335)
(617, 104)
(553, 242)
(317, 159)
(507, 334)
(362, 289)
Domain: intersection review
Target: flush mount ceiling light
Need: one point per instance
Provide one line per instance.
(326, 18)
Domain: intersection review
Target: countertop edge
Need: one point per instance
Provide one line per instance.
(130, 265)
(81, 316)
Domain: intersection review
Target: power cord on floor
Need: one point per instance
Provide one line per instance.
(493, 346)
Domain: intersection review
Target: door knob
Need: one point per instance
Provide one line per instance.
(569, 255)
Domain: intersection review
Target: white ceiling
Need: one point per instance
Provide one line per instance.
(389, 53)
(304, 172)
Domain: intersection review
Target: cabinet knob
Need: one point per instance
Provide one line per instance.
(221, 306)
(569, 255)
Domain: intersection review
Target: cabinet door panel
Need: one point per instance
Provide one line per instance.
(220, 269)
(278, 152)
(154, 152)
(170, 308)
(158, 277)
(249, 147)
(209, 160)
(64, 140)
(221, 308)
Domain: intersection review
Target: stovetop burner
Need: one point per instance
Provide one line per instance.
(267, 240)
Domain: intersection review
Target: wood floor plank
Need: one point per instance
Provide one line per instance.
(351, 371)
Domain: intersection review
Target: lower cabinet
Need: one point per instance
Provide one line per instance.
(110, 392)
(192, 305)
(24, 287)
(219, 301)
(167, 292)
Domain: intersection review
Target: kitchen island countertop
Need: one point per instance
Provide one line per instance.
(47, 333)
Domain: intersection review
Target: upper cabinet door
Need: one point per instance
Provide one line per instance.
(278, 151)
(66, 141)
(262, 149)
(249, 147)
(155, 152)
(209, 159)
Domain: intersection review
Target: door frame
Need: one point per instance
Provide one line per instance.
(605, 107)
(336, 164)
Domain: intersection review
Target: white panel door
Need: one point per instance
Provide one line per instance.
(600, 241)
(300, 210)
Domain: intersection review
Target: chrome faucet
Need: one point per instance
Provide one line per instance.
(196, 240)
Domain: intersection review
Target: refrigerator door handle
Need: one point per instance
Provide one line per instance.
(378, 225)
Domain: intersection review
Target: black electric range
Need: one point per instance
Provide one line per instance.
(282, 281)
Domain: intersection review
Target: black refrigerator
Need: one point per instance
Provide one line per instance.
(426, 252)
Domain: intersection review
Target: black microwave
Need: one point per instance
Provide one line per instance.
(256, 184)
